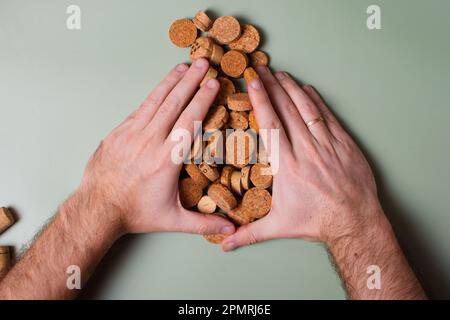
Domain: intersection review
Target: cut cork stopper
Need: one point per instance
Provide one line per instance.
(5, 260)
(210, 172)
(248, 41)
(261, 175)
(240, 216)
(196, 174)
(225, 176)
(252, 121)
(190, 192)
(238, 120)
(202, 21)
(206, 205)
(202, 48)
(245, 177)
(216, 55)
(6, 219)
(239, 102)
(225, 30)
(258, 202)
(236, 185)
(240, 148)
(259, 58)
(234, 63)
(215, 238)
(210, 74)
(183, 33)
(216, 118)
(222, 196)
(226, 88)
(250, 74)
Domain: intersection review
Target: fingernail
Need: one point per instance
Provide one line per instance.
(212, 83)
(280, 75)
(181, 67)
(262, 69)
(201, 63)
(255, 84)
(228, 246)
(227, 230)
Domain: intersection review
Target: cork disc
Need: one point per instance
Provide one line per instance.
(183, 33)
(202, 48)
(240, 216)
(225, 29)
(196, 174)
(236, 185)
(216, 54)
(259, 58)
(222, 197)
(257, 201)
(202, 21)
(239, 102)
(240, 148)
(250, 74)
(210, 74)
(238, 120)
(248, 41)
(210, 172)
(245, 177)
(225, 177)
(234, 63)
(215, 238)
(216, 118)
(206, 205)
(190, 192)
(226, 88)
(261, 175)
(252, 121)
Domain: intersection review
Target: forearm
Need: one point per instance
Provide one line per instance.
(363, 247)
(80, 234)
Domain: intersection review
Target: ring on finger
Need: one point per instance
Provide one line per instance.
(309, 124)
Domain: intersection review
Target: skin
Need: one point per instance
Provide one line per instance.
(130, 187)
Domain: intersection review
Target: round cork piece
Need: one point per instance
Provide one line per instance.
(210, 74)
(248, 41)
(202, 21)
(259, 58)
(238, 120)
(236, 185)
(227, 87)
(257, 201)
(202, 48)
(245, 177)
(225, 30)
(216, 118)
(196, 174)
(250, 74)
(261, 175)
(215, 238)
(234, 63)
(210, 172)
(222, 197)
(225, 177)
(190, 192)
(240, 147)
(206, 205)
(239, 102)
(252, 121)
(240, 216)
(183, 33)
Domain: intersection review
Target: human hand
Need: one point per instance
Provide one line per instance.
(132, 173)
(324, 187)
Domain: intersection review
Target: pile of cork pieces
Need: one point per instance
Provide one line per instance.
(233, 187)
(6, 220)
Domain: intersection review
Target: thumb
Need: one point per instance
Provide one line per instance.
(251, 233)
(193, 222)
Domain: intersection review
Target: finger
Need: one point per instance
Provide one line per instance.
(193, 222)
(195, 111)
(267, 118)
(305, 106)
(178, 98)
(332, 123)
(143, 115)
(252, 233)
(284, 107)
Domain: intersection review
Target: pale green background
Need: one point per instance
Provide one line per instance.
(62, 91)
